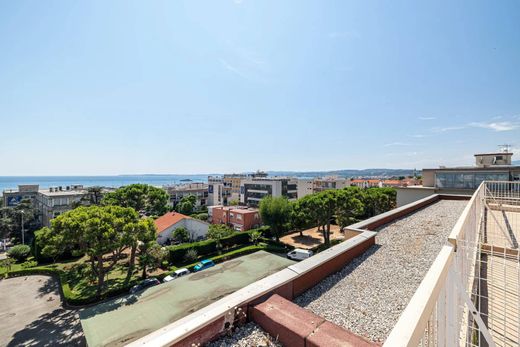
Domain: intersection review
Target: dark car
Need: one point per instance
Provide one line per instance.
(149, 282)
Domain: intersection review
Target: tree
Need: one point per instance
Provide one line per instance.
(217, 232)
(93, 197)
(348, 207)
(275, 212)
(96, 230)
(11, 219)
(51, 244)
(7, 223)
(200, 216)
(181, 234)
(324, 205)
(378, 200)
(234, 202)
(187, 204)
(255, 236)
(136, 233)
(301, 215)
(144, 198)
(151, 256)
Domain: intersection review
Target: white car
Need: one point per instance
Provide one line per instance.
(299, 254)
(176, 274)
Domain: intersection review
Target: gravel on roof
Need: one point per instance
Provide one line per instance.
(368, 295)
(246, 336)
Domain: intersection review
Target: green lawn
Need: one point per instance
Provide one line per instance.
(79, 286)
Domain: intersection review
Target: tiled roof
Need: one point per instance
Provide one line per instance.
(164, 222)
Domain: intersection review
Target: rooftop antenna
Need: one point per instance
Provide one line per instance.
(504, 148)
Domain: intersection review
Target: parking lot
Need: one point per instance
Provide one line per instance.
(32, 315)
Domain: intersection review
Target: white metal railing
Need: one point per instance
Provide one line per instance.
(471, 294)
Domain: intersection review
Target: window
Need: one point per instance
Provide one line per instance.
(232, 215)
(239, 216)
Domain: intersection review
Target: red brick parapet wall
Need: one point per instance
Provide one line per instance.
(219, 317)
(295, 326)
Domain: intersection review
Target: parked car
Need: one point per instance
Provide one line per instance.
(206, 263)
(149, 282)
(176, 274)
(299, 254)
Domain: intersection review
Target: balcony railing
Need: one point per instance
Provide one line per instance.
(471, 294)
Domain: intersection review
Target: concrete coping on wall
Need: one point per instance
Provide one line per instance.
(225, 308)
(330, 253)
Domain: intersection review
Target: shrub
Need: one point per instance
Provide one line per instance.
(29, 264)
(19, 252)
(191, 255)
(177, 253)
(181, 234)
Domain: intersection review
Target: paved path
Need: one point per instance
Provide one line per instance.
(31, 314)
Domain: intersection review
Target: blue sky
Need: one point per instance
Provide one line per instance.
(112, 87)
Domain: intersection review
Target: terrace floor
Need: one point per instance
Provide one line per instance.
(369, 294)
(312, 238)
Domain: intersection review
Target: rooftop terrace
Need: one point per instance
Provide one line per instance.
(368, 295)
(470, 295)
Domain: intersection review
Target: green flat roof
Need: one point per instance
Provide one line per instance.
(125, 319)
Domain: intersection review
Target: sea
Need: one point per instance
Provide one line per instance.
(10, 182)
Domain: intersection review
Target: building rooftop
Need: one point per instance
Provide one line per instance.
(368, 295)
(120, 321)
(71, 192)
(168, 219)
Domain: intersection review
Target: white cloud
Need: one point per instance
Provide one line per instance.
(418, 136)
(232, 68)
(450, 128)
(496, 126)
(397, 144)
(427, 118)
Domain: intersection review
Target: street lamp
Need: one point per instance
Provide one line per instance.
(23, 233)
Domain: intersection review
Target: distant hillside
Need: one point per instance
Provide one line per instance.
(346, 173)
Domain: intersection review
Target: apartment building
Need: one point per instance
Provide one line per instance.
(177, 192)
(13, 197)
(463, 179)
(240, 218)
(308, 186)
(253, 189)
(224, 189)
(56, 200)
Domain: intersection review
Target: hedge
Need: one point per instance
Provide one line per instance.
(176, 253)
(206, 247)
(70, 297)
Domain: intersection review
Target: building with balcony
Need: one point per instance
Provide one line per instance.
(224, 189)
(253, 189)
(177, 192)
(240, 218)
(56, 200)
(308, 186)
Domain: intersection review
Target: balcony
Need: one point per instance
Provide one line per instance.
(471, 294)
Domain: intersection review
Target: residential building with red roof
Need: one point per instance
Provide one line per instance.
(170, 221)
